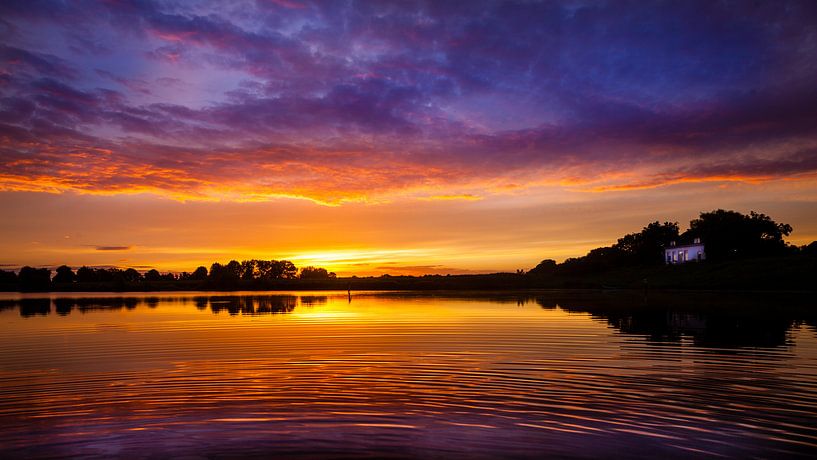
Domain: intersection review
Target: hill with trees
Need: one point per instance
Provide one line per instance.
(743, 251)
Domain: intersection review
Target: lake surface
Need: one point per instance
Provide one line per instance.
(445, 375)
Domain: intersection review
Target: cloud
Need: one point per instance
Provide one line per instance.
(113, 248)
(17, 60)
(801, 164)
(334, 103)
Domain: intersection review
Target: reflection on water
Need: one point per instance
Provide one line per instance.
(568, 374)
(232, 304)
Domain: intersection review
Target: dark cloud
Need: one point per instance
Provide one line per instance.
(16, 110)
(113, 248)
(796, 164)
(17, 60)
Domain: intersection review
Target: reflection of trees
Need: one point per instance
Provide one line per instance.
(314, 300)
(276, 304)
(713, 329)
(31, 307)
(545, 303)
(107, 303)
(252, 305)
(724, 321)
(64, 306)
(709, 320)
(246, 305)
(201, 301)
(8, 304)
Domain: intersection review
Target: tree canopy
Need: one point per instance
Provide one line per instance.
(34, 279)
(725, 234)
(647, 246)
(730, 234)
(316, 273)
(64, 275)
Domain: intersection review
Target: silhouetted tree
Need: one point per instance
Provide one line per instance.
(597, 260)
(275, 269)
(8, 277)
(248, 270)
(132, 276)
(545, 267)
(153, 275)
(647, 246)
(810, 249)
(103, 275)
(263, 269)
(98, 275)
(285, 269)
(34, 279)
(233, 270)
(86, 275)
(316, 273)
(224, 276)
(216, 269)
(108, 275)
(64, 275)
(199, 274)
(728, 234)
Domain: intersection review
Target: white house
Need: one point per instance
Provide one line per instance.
(684, 253)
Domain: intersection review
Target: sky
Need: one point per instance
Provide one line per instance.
(394, 137)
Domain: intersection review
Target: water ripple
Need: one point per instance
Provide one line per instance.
(392, 376)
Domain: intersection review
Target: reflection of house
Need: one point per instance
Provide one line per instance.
(687, 323)
(679, 254)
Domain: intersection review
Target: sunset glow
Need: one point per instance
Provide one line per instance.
(406, 138)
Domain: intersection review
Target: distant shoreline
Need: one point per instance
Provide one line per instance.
(443, 291)
(742, 253)
(795, 273)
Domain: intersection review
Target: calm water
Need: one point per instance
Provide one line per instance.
(407, 375)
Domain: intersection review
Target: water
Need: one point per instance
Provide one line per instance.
(564, 374)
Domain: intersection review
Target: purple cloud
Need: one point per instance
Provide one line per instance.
(334, 101)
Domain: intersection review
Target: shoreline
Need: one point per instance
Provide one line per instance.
(475, 291)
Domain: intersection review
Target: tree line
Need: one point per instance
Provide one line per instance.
(726, 235)
(229, 275)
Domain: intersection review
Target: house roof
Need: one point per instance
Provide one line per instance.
(691, 245)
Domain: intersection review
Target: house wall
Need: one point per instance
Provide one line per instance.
(681, 254)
